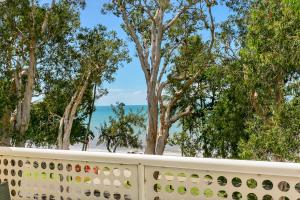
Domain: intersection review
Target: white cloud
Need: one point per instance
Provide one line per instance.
(129, 97)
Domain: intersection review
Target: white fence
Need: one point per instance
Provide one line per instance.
(74, 175)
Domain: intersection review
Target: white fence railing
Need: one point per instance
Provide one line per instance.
(74, 175)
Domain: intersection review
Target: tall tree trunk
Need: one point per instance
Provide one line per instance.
(66, 123)
(162, 139)
(86, 139)
(24, 103)
(152, 123)
(5, 129)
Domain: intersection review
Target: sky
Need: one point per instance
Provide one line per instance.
(129, 86)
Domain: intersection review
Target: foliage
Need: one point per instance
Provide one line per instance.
(276, 140)
(121, 129)
(257, 75)
(189, 143)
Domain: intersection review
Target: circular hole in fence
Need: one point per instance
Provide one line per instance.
(87, 193)
(35, 164)
(116, 172)
(267, 197)
(96, 170)
(77, 168)
(181, 190)
(222, 194)
(106, 171)
(5, 162)
(13, 193)
(208, 179)
(69, 167)
(157, 187)
(195, 178)
(43, 165)
(87, 168)
(96, 193)
(208, 193)
(20, 172)
(13, 182)
(195, 191)
(297, 187)
(127, 173)
(267, 185)
(127, 184)
(117, 183)
(52, 166)
(283, 186)
(60, 166)
(117, 196)
(20, 163)
(156, 175)
(237, 196)
(169, 188)
(222, 181)
(252, 196)
(96, 181)
(106, 195)
(236, 182)
(251, 183)
(106, 182)
(128, 197)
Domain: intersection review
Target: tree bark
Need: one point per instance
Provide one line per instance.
(162, 139)
(150, 60)
(152, 123)
(66, 123)
(24, 104)
(5, 129)
(86, 139)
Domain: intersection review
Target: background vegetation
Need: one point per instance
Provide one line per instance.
(233, 86)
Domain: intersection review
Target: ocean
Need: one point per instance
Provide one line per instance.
(101, 115)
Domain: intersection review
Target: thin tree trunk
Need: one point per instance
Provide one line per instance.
(279, 88)
(86, 139)
(66, 124)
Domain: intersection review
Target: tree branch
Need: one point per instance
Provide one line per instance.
(176, 117)
(139, 48)
(212, 25)
(180, 12)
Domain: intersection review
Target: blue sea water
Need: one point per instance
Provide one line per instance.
(101, 115)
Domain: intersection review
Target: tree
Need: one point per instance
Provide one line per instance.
(157, 28)
(28, 29)
(99, 54)
(121, 130)
(258, 71)
(201, 96)
(271, 56)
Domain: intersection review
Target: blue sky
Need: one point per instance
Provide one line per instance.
(129, 85)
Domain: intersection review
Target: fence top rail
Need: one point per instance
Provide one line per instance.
(208, 164)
